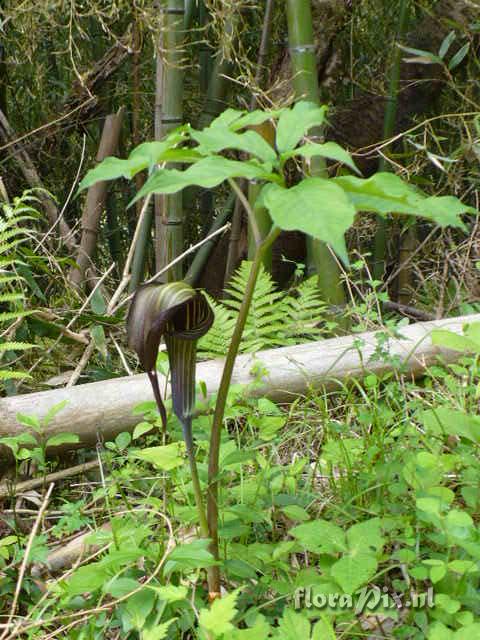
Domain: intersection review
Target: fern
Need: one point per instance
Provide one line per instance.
(276, 318)
(13, 232)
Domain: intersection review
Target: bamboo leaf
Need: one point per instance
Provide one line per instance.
(317, 207)
(385, 193)
(459, 56)
(424, 57)
(445, 46)
(294, 123)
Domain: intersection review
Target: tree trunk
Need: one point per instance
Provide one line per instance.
(95, 202)
(101, 410)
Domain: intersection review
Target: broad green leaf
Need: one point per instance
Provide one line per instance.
(62, 438)
(459, 56)
(215, 139)
(139, 606)
(353, 571)
(294, 512)
(385, 193)
(254, 118)
(259, 631)
(208, 173)
(293, 626)
(98, 334)
(365, 536)
(451, 340)
(145, 156)
(267, 425)
(294, 123)
(98, 303)
(141, 428)
(468, 632)
(444, 421)
(166, 457)
(218, 619)
(29, 421)
(119, 586)
(170, 592)
(159, 632)
(320, 536)
(330, 150)
(190, 556)
(318, 207)
(87, 579)
(438, 631)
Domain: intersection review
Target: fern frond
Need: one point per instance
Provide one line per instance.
(276, 318)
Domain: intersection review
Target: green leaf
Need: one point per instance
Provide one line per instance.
(353, 571)
(144, 156)
(365, 536)
(218, 619)
(159, 632)
(86, 579)
(141, 428)
(318, 207)
(254, 118)
(118, 587)
(98, 334)
(330, 150)
(215, 138)
(29, 421)
(438, 631)
(445, 46)
(444, 421)
(385, 193)
(97, 303)
(62, 438)
(166, 457)
(139, 606)
(294, 123)
(459, 56)
(208, 173)
(259, 631)
(190, 556)
(170, 592)
(294, 512)
(267, 426)
(53, 411)
(451, 340)
(293, 626)
(320, 536)
(421, 56)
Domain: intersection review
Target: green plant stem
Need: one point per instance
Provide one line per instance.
(213, 463)
(380, 241)
(197, 490)
(264, 224)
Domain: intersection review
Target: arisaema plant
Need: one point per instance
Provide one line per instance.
(323, 208)
(181, 316)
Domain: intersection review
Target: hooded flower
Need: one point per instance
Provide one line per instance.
(181, 315)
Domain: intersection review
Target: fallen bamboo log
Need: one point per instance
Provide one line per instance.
(101, 410)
